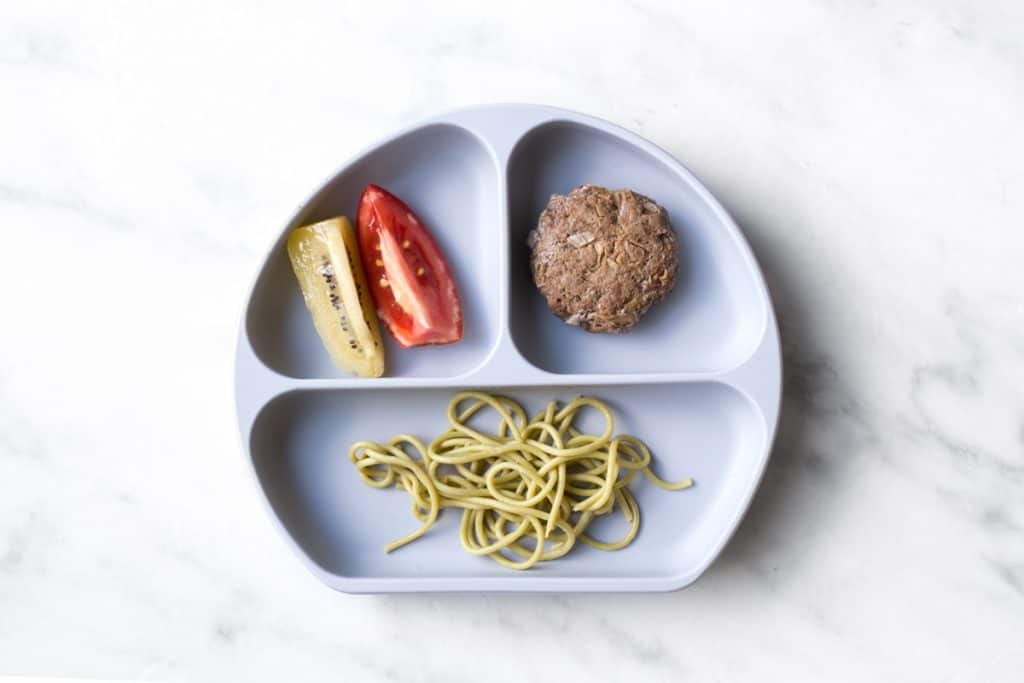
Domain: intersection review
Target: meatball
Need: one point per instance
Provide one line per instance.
(603, 257)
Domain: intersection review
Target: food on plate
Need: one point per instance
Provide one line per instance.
(528, 489)
(411, 282)
(603, 257)
(325, 258)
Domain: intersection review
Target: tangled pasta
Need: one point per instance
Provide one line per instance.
(528, 491)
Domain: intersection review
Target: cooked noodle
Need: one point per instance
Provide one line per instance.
(528, 491)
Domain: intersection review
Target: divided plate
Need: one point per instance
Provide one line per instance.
(699, 379)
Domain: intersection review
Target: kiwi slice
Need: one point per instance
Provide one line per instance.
(325, 258)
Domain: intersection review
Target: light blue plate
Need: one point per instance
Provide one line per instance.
(699, 379)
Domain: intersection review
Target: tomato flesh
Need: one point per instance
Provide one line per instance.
(410, 280)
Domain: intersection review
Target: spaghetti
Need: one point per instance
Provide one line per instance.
(528, 490)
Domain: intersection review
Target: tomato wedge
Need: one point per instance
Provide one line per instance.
(411, 283)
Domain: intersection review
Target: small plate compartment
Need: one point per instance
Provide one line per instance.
(713, 319)
(450, 178)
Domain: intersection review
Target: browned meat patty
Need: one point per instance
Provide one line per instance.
(603, 257)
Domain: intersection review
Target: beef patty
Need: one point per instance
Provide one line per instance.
(603, 257)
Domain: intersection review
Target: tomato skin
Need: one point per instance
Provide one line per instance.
(410, 280)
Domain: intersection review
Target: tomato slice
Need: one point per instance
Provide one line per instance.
(410, 280)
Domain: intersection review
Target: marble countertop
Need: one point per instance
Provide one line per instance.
(872, 153)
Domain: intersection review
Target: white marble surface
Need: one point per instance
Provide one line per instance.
(872, 152)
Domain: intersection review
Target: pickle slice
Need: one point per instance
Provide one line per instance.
(325, 258)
